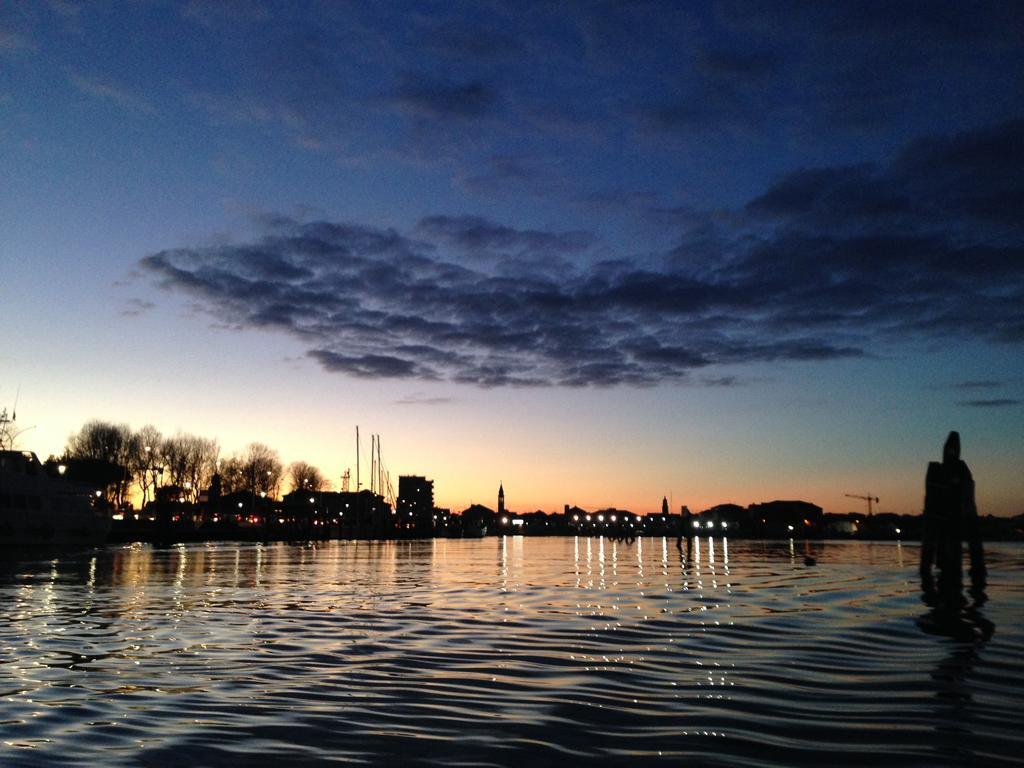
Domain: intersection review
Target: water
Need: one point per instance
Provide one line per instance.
(502, 651)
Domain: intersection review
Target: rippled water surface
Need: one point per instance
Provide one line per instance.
(502, 651)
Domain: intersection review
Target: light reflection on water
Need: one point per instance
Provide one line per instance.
(501, 650)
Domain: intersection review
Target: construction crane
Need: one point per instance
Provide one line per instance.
(869, 499)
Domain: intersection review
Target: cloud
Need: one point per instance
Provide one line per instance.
(721, 381)
(137, 307)
(224, 12)
(14, 42)
(377, 304)
(474, 234)
(301, 77)
(102, 89)
(979, 384)
(812, 269)
(505, 176)
(971, 176)
(837, 69)
(729, 64)
(923, 23)
(994, 403)
(369, 366)
(463, 42)
(699, 110)
(929, 241)
(531, 102)
(67, 10)
(440, 99)
(617, 200)
(418, 398)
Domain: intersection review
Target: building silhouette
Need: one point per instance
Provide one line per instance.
(349, 514)
(415, 496)
(415, 504)
(783, 518)
(477, 516)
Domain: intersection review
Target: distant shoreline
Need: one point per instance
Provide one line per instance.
(993, 530)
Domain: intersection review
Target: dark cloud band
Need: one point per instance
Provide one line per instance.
(825, 264)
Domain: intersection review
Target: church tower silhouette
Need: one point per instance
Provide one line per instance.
(501, 499)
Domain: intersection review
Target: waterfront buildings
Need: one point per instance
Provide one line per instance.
(415, 503)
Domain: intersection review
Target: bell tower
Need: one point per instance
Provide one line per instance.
(501, 499)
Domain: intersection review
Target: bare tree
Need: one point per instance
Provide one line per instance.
(175, 454)
(99, 440)
(231, 477)
(305, 477)
(189, 463)
(147, 462)
(109, 445)
(258, 469)
(202, 465)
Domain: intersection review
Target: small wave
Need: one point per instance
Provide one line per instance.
(500, 651)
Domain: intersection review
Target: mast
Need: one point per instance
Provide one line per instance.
(9, 431)
(357, 459)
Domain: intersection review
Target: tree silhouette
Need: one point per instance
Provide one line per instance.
(304, 476)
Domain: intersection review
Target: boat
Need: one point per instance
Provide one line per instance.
(39, 509)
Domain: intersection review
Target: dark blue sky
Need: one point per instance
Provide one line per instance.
(448, 199)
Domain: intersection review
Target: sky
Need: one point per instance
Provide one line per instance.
(601, 253)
